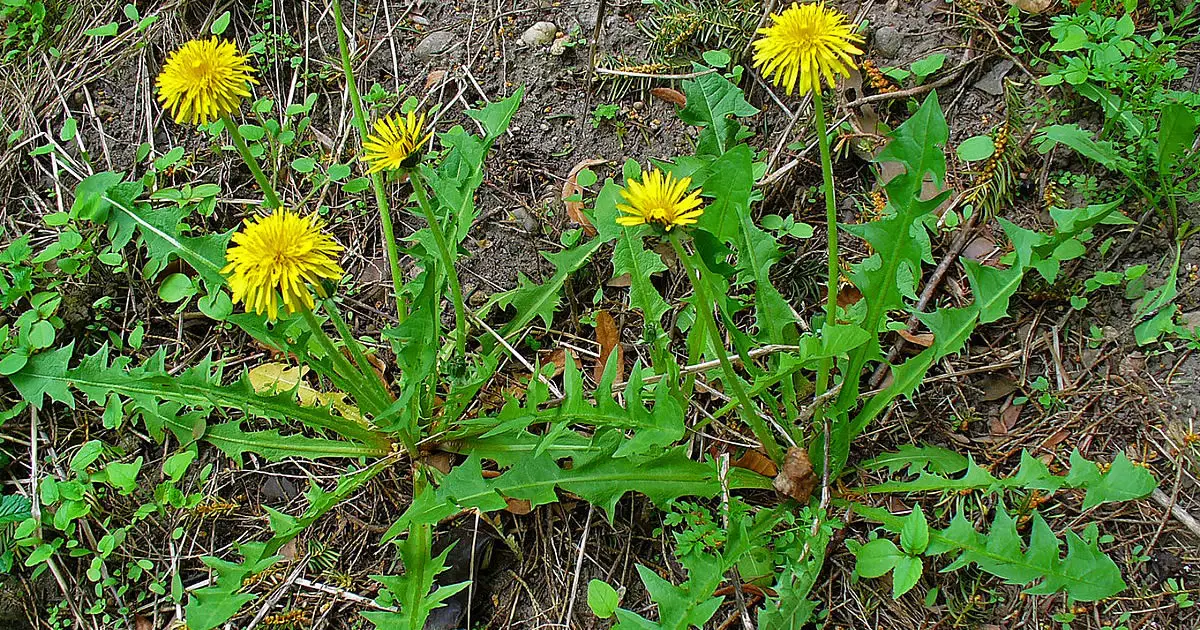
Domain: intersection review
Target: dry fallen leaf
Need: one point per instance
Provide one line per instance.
(921, 339)
(288, 551)
(979, 249)
(609, 339)
(142, 623)
(520, 507)
(756, 461)
(275, 378)
(442, 462)
(620, 282)
(572, 188)
(849, 295)
(797, 479)
(1007, 419)
(433, 79)
(558, 357)
(995, 387)
(669, 95)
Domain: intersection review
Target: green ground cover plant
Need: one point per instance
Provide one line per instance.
(805, 400)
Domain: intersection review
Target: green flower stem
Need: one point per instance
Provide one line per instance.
(272, 199)
(704, 305)
(381, 202)
(460, 312)
(831, 286)
(356, 351)
(342, 366)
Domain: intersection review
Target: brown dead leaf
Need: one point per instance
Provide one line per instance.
(558, 357)
(609, 339)
(669, 95)
(756, 461)
(520, 507)
(571, 188)
(996, 387)
(620, 282)
(434, 79)
(797, 479)
(848, 295)
(921, 339)
(439, 461)
(288, 551)
(142, 623)
(979, 249)
(1002, 424)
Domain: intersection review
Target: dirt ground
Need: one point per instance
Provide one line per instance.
(1114, 397)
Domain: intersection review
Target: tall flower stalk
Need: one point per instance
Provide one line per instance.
(663, 201)
(395, 146)
(805, 46)
(206, 80)
(381, 201)
(698, 275)
(283, 260)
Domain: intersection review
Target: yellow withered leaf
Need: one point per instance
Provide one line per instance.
(275, 377)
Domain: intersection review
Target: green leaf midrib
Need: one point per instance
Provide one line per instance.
(218, 395)
(194, 256)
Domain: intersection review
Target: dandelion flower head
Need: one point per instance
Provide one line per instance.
(204, 80)
(396, 142)
(659, 198)
(280, 256)
(804, 43)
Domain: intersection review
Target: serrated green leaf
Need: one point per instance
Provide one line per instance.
(45, 374)
(917, 459)
(1085, 573)
(1122, 482)
(530, 300)
(148, 385)
(713, 103)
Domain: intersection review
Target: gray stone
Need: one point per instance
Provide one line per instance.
(1190, 319)
(887, 41)
(434, 43)
(539, 34)
(993, 82)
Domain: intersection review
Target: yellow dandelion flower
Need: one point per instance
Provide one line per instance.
(803, 44)
(281, 254)
(204, 80)
(660, 199)
(396, 143)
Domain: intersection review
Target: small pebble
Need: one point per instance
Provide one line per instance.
(539, 34)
